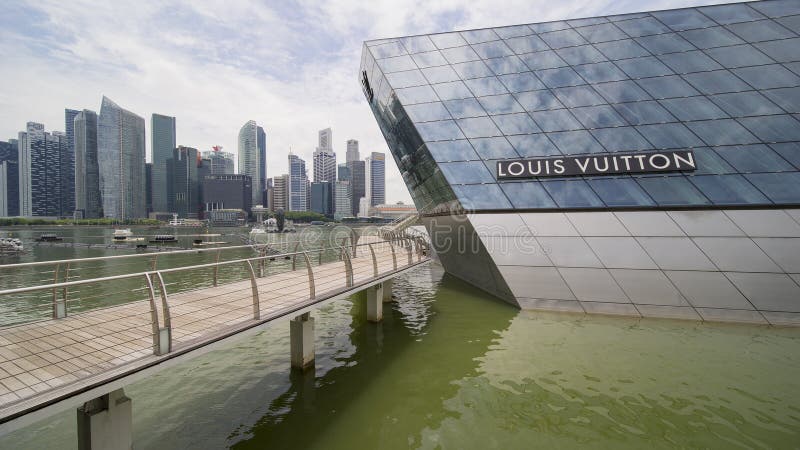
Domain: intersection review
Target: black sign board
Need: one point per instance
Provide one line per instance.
(598, 164)
(366, 86)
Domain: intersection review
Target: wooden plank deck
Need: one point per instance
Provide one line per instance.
(48, 358)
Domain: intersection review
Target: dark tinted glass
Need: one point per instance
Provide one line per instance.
(711, 37)
(648, 66)
(476, 36)
(709, 162)
(562, 38)
(478, 127)
(642, 113)
(672, 190)
(788, 99)
(728, 189)
(485, 86)
(768, 77)
(584, 54)
(725, 14)
(578, 96)
(508, 64)
(621, 139)
(785, 50)
(481, 196)
(439, 131)
(526, 44)
(683, 19)
(722, 132)
(621, 49)
(575, 142)
(789, 151)
(763, 30)
(779, 187)
(556, 120)
(473, 69)
(466, 172)
(693, 108)
(716, 82)
(773, 128)
(687, 62)
(528, 194)
(601, 116)
(533, 145)
(543, 60)
(643, 26)
(666, 87)
(515, 124)
(494, 49)
(453, 90)
(572, 194)
(600, 72)
(451, 150)
(493, 148)
(620, 192)
(427, 112)
(740, 104)
(664, 43)
(537, 100)
(754, 158)
(468, 107)
(521, 82)
(601, 33)
(669, 135)
(621, 91)
(561, 77)
(739, 56)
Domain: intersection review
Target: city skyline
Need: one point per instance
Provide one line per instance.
(215, 81)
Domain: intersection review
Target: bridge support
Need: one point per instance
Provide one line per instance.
(301, 337)
(106, 423)
(375, 303)
(387, 290)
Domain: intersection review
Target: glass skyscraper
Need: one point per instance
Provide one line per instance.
(298, 184)
(375, 184)
(68, 163)
(41, 155)
(253, 157)
(647, 160)
(88, 201)
(163, 140)
(9, 178)
(121, 159)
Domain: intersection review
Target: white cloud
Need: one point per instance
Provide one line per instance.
(291, 66)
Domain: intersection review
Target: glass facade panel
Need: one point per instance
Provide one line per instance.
(620, 192)
(721, 80)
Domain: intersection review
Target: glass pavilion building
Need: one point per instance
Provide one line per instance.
(643, 164)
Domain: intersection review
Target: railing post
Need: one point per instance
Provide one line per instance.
(216, 268)
(165, 333)
(394, 256)
(374, 261)
(154, 262)
(408, 249)
(294, 257)
(348, 267)
(59, 306)
(254, 288)
(153, 315)
(321, 251)
(311, 288)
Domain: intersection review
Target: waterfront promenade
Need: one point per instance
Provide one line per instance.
(48, 361)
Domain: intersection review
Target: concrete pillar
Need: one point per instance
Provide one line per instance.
(375, 303)
(387, 290)
(301, 336)
(106, 423)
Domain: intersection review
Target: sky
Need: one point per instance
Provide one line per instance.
(292, 66)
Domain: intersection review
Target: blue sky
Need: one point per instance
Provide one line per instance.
(292, 66)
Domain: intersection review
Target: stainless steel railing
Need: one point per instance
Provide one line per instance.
(376, 259)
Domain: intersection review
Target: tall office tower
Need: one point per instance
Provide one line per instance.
(298, 186)
(322, 198)
(352, 151)
(376, 175)
(203, 170)
(148, 180)
(182, 174)
(325, 140)
(343, 200)
(88, 201)
(163, 138)
(324, 165)
(252, 157)
(121, 151)
(221, 162)
(9, 178)
(269, 196)
(40, 172)
(68, 162)
(280, 189)
(357, 179)
(343, 172)
(227, 191)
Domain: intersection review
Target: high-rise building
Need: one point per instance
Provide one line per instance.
(325, 141)
(221, 162)
(9, 178)
(322, 197)
(68, 161)
(182, 174)
(148, 180)
(375, 182)
(253, 157)
(357, 182)
(352, 151)
(324, 165)
(41, 171)
(227, 191)
(653, 156)
(343, 199)
(88, 201)
(280, 189)
(121, 158)
(298, 184)
(343, 172)
(363, 207)
(163, 140)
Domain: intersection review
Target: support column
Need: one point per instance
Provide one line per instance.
(387, 290)
(106, 423)
(375, 303)
(301, 336)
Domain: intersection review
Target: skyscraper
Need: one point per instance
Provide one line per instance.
(68, 162)
(343, 200)
(221, 162)
(298, 184)
(352, 151)
(40, 172)
(324, 165)
(182, 174)
(322, 197)
(280, 196)
(252, 157)
(376, 178)
(325, 141)
(163, 138)
(88, 200)
(357, 179)
(121, 151)
(9, 178)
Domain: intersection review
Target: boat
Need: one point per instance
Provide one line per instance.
(163, 238)
(122, 234)
(49, 237)
(11, 245)
(271, 225)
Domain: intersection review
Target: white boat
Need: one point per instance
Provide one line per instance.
(11, 245)
(122, 234)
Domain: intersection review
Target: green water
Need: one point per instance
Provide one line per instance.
(452, 368)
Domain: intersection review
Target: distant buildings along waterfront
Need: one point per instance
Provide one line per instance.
(252, 157)
(88, 200)
(163, 140)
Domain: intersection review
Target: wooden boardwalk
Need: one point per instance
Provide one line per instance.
(45, 361)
